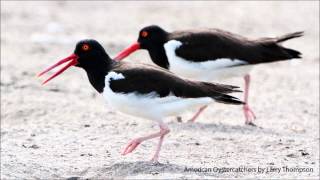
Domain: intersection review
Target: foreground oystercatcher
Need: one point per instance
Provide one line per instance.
(206, 54)
(142, 90)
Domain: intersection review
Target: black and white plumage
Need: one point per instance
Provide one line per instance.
(143, 90)
(207, 54)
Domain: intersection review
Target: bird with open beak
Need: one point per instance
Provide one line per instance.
(141, 90)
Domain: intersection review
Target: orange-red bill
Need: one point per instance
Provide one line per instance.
(72, 61)
(126, 52)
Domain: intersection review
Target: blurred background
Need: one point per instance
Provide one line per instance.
(50, 131)
(46, 31)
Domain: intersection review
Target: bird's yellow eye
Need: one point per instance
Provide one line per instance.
(85, 47)
(144, 33)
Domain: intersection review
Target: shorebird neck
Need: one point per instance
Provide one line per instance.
(158, 56)
(97, 75)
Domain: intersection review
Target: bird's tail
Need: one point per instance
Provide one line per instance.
(227, 99)
(291, 52)
(272, 50)
(222, 88)
(289, 36)
(219, 92)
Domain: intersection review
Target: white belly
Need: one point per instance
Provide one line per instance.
(205, 71)
(149, 106)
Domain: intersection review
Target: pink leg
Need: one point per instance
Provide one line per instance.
(248, 113)
(135, 142)
(165, 130)
(198, 113)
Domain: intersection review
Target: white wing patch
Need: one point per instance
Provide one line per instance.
(149, 106)
(113, 76)
(199, 70)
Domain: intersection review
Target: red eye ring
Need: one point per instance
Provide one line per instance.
(144, 33)
(85, 47)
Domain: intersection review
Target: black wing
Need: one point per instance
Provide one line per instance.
(145, 79)
(211, 44)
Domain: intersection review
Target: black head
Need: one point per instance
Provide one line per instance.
(152, 36)
(88, 54)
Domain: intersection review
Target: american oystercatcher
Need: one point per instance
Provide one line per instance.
(142, 90)
(206, 54)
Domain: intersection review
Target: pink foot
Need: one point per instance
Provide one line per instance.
(132, 145)
(135, 142)
(249, 114)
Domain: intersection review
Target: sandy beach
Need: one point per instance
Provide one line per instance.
(66, 130)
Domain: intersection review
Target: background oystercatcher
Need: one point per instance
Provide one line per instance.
(131, 88)
(206, 54)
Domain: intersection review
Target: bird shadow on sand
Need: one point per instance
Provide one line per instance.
(225, 128)
(124, 169)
